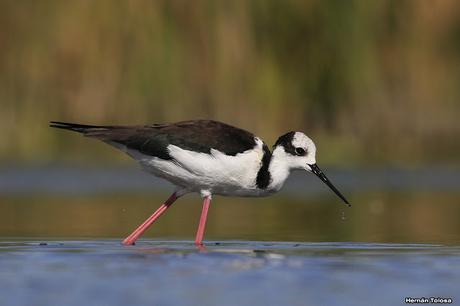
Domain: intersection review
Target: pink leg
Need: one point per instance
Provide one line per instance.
(131, 239)
(204, 214)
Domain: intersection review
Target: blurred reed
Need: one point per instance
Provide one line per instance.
(373, 82)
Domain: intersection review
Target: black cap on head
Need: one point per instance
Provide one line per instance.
(286, 142)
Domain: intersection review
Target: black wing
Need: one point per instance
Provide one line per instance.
(194, 135)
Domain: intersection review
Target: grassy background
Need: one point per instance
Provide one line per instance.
(372, 82)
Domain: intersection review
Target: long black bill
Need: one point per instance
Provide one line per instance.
(317, 171)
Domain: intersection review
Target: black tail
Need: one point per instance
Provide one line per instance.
(75, 127)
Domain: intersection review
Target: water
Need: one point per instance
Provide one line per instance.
(400, 239)
(102, 272)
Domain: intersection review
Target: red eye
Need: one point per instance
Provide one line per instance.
(299, 151)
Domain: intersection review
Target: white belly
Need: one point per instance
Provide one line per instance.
(216, 173)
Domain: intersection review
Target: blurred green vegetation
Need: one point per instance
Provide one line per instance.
(372, 82)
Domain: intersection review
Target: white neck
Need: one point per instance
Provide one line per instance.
(279, 169)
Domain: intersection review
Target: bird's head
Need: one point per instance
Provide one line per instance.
(298, 151)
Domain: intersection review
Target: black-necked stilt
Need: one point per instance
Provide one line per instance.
(208, 157)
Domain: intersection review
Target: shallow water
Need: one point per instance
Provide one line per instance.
(102, 272)
(400, 239)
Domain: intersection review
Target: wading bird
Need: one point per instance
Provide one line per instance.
(208, 157)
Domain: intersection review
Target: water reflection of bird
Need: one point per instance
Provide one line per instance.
(208, 157)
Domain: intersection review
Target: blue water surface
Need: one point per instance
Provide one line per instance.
(103, 272)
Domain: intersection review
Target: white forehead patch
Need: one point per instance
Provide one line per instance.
(300, 140)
